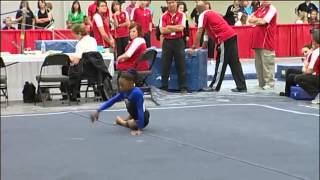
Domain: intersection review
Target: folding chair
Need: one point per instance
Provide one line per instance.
(49, 81)
(96, 75)
(3, 81)
(150, 56)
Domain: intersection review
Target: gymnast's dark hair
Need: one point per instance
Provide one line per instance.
(130, 75)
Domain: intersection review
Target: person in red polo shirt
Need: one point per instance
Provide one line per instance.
(121, 23)
(265, 24)
(143, 16)
(172, 24)
(92, 9)
(135, 48)
(101, 26)
(217, 28)
(310, 80)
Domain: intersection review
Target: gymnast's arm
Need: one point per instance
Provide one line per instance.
(111, 102)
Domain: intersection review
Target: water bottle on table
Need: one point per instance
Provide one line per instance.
(43, 47)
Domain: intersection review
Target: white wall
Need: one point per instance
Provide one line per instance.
(61, 8)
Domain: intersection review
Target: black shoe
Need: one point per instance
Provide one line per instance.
(183, 91)
(238, 90)
(74, 100)
(164, 88)
(283, 94)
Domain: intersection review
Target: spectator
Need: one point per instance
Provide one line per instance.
(291, 73)
(226, 38)
(208, 43)
(30, 18)
(121, 23)
(8, 24)
(101, 26)
(243, 21)
(265, 21)
(87, 24)
(136, 47)
(172, 24)
(255, 5)
(310, 80)
(302, 18)
(142, 16)
(75, 16)
(43, 18)
(131, 6)
(182, 7)
(159, 36)
(49, 9)
(195, 15)
(307, 7)
(232, 13)
(246, 8)
(92, 9)
(313, 17)
(148, 3)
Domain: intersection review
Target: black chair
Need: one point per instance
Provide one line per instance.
(150, 56)
(3, 81)
(49, 81)
(95, 74)
(141, 82)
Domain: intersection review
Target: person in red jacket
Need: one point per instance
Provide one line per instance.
(121, 24)
(135, 48)
(226, 38)
(143, 16)
(92, 9)
(264, 31)
(101, 26)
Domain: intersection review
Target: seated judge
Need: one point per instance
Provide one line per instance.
(135, 48)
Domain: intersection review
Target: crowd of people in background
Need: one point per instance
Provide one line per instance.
(237, 14)
(128, 30)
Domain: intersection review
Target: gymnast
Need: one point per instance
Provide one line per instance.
(133, 96)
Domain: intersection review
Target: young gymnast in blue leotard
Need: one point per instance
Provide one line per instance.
(133, 96)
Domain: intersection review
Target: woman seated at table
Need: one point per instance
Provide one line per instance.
(86, 44)
(135, 48)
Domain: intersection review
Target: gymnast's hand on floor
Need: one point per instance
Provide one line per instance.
(94, 116)
(136, 132)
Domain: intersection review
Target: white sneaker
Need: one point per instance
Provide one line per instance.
(267, 87)
(316, 100)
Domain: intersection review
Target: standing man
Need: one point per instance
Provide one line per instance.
(226, 39)
(265, 24)
(172, 24)
(143, 16)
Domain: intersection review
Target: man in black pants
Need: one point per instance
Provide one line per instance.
(172, 24)
(226, 39)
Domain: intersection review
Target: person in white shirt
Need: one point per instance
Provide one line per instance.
(86, 43)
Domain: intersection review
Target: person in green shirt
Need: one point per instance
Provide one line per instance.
(75, 16)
